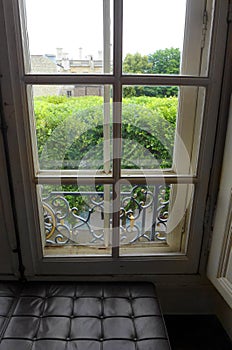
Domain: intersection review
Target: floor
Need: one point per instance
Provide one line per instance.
(200, 332)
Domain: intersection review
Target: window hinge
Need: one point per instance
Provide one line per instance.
(207, 212)
(209, 221)
(184, 223)
(204, 28)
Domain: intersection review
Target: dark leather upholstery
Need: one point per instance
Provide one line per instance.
(81, 316)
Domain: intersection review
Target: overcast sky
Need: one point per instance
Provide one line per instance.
(148, 25)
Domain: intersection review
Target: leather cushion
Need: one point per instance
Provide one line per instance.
(81, 316)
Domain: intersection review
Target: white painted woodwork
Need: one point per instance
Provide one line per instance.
(220, 260)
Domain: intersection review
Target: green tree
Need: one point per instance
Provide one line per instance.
(165, 61)
(135, 64)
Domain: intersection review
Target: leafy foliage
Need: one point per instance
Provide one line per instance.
(165, 61)
(70, 134)
(136, 64)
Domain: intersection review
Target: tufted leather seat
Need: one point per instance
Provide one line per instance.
(81, 316)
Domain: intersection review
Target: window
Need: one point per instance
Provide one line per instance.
(115, 174)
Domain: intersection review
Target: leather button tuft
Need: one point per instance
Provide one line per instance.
(84, 316)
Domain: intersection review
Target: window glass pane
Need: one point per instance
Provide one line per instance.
(148, 126)
(73, 127)
(160, 128)
(70, 37)
(76, 220)
(153, 218)
(166, 36)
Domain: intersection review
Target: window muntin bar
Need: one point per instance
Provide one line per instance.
(54, 79)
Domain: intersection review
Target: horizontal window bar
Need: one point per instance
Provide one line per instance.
(164, 80)
(53, 79)
(168, 179)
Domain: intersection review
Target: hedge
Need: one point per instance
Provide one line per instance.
(70, 131)
(70, 135)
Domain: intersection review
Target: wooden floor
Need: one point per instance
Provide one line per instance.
(197, 333)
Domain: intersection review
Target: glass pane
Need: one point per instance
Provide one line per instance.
(148, 126)
(76, 220)
(153, 218)
(160, 128)
(73, 127)
(70, 37)
(166, 37)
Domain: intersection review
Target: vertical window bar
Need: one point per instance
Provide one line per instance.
(106, 125)
(117, 118)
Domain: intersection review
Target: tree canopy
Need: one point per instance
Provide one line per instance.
(165, 61)
(136, 64)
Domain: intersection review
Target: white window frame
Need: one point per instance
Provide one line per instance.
(219, 268)
(22, 148)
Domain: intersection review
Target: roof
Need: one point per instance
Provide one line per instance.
(42, 64)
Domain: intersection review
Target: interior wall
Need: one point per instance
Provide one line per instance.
(192, 296)
(224, 314)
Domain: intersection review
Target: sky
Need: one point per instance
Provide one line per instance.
(148, 25)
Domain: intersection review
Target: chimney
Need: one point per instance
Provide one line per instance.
(80, 53)
(59, 53)
(91, 62)
(100, 55)
(65, 62)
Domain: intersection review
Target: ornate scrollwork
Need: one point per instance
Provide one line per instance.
(143, 216)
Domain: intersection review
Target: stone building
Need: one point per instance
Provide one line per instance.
(44, 64)
(62, 64)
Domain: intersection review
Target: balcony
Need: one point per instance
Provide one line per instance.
(84, 218)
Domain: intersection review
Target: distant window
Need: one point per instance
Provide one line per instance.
(69, 93)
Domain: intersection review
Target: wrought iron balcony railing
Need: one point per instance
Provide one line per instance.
(79, 217)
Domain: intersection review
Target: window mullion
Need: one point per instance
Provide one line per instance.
(117, 120)
(106, 122)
